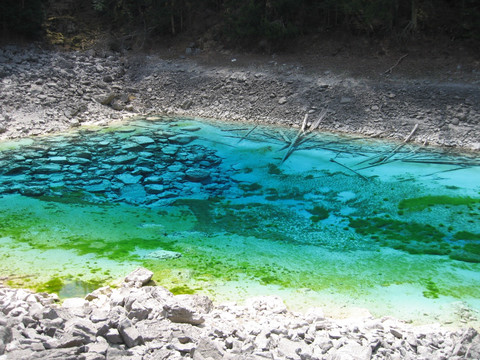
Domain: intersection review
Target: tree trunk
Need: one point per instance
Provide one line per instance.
(172, 17)
(414, 20)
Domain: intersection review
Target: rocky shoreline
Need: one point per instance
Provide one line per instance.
(141, 321)
(44, 91)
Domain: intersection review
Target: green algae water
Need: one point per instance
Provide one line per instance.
(343, 223)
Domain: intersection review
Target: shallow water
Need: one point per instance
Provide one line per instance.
(212, 211)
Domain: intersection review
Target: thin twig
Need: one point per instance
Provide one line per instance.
(248, 133)
(348, 168)
(389, 71)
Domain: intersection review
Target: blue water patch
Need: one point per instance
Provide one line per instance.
(218, 208)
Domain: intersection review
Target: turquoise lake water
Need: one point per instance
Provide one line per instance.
(344, 223)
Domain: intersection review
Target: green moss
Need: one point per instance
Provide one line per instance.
(274, 169)
(432, 291)
(424, 202)
(54, 285)
(472, 248)
(465, 256)
(470, 252)
(466, 235)
(264, 221)
(319, 213)
(250, 187)
(181, 289)
(412, 237)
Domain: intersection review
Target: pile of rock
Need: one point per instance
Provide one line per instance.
(138, 321)
(151, 169)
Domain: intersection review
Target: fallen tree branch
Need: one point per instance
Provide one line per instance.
(348, 168)
(295, 139)
(389, 71)
(248, 133)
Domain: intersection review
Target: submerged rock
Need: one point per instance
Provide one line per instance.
(163, 255)
(197, 175)
(182, 139)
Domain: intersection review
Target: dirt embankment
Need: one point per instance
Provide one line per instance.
(43, 91)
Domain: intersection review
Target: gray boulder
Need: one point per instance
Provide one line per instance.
(188, 309)
(129, 333)
(138, 278)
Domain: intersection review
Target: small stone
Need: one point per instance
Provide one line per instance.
(182, 139)
(139, 277)
(122, 159)
(58, 159)
(191, 128)
(396, 333)
(154, 189)
(197, 175)
(163, 255)
(113, 337)
(170, 150)
(282, 100)
(129, 333)
(129, 179)
(142, 140)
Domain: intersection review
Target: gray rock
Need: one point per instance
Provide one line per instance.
(106, 99)
(282, 100)
(58, 159)
(182, 139)
(139, 277)
(113, 336)
(129, 179)
(154, 189)
(129, 333)
(33, 191)
(142, 140)
(288, 349)
(138, 311)
(122, 159)
(5, 335)
(170, 150)
(353, 351)
(197, 175)
(69, 341)
(99, 347)
(207, 349)
(396, 333)
(74, 160)
(104, 186)
(82, 328)
(48, 169)
(192, 128)
(92, 356)
(188, 309)
(133, 193)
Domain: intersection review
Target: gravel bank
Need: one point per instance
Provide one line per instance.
(136, 321)
(45, 91)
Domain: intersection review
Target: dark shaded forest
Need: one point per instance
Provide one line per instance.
(247, 23)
